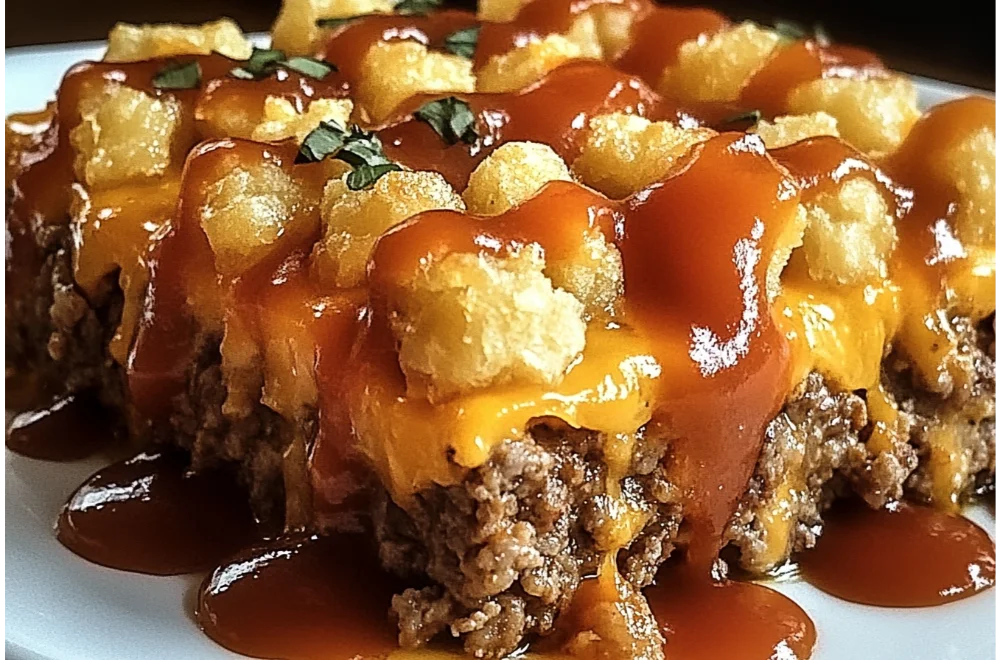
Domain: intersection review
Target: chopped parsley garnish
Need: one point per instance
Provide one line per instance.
(416, 7)
(265, 61)
(337, 22)
(321, 142)
(307, 66)
(793, 31)
(463, 42)
(748, 117)
(365, 176)
(360, 149)
(178, 75)
(451, 118)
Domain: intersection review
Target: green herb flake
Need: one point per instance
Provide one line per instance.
(417, 7)
(178, 75)
(790, 30)
(308, 66)
(821, 36)
(365, 176)
(261, 64)
(451, 118)
(463, 42)
(330, 23)
(360, 149)
(749, 117)
(324, 140)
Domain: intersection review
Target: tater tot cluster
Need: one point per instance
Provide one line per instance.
(849, 235)
(524, 65)
(472, 320)
(512, 174)
(623, 153)
(790, 129)
(131, 43)
(717, 67)
(282, 121)
(594, 274)
(392, 72)
(874, 115)
(295, 30)
(126, 135)
(248, 212)
(971, 168)
(353, 220)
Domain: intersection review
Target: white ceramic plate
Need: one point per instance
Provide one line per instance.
(60, 607)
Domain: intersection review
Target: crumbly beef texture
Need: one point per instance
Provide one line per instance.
(816, 449)
(254, 438)
(960, 408)
(813, 452)
(506, 550)
(57, 338)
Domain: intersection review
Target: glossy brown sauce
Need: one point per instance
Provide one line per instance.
(702, 300)
(916, 165)
(147, 514)
(536, 20)
(347, 45)
(695, 253)
(301, 598)
(802, 62)
(555, 111)
(903, 556)
(657, 38)
(706, 620)
(68, 429)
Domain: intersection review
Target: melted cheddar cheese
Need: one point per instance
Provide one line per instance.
(414, 444)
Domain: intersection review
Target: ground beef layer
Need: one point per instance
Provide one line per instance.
(506, 550)
(56, 337)
(816, 449)
(499, 557)
(252, 437)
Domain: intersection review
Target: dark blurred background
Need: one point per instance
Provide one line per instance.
(953, 40)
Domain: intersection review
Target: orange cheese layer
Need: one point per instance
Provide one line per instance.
(414, 444)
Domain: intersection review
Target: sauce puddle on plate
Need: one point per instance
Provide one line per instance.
(703, 619)
(149, 514)
(901, 556)
(68, 429)
(302, 597)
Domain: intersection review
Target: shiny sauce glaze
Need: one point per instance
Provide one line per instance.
(802, 62)
(347, 44)
(301, 598)
(149, 514)
(704, 620)
(535, 20)
(901, 556)
(695, 255)
(657, 35)
(46, 433)
(555, 111)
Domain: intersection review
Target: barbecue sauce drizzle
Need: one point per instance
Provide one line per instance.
(702, 303)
